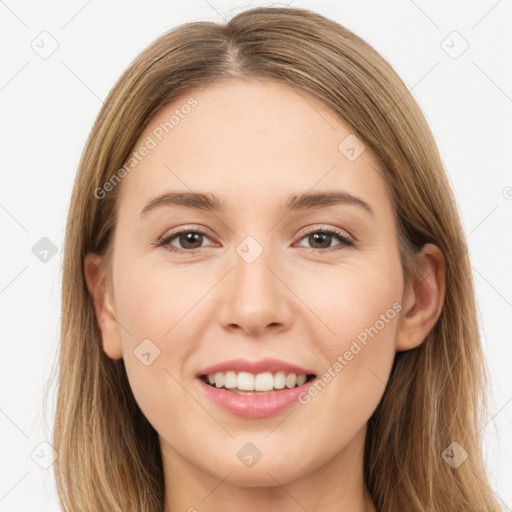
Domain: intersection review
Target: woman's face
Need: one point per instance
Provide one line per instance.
(255, 276)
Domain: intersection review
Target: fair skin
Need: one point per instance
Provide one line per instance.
(253, 143)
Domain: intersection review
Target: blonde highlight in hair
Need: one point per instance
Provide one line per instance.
(109, 454)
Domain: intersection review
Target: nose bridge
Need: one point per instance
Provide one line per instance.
(253, 297)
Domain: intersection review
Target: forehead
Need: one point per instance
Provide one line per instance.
(250, 140)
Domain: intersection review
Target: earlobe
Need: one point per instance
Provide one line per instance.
(423, 299)
(104, 309)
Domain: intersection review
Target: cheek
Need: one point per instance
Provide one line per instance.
(350, 300)
(156, 308)
(156, 302)
(359, 306)
(361, 309)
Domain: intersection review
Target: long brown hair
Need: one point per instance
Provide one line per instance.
(109, 455)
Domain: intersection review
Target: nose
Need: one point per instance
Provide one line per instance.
(255, 298)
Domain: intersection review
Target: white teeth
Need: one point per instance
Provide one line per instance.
(219, 379)
(291, 380)
(264, 382)
(279, 380)
(246, 381)
(230, 380)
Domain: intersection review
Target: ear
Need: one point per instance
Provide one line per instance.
(103, 307)
(423, 299)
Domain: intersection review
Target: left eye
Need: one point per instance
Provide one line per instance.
(191, 240)
(325, 236)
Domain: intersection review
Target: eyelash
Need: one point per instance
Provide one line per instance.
(338, 234)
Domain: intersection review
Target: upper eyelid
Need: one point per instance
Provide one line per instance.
(188, 229)
(306, 231)
(302, 232)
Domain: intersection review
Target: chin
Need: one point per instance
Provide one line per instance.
(271, 472)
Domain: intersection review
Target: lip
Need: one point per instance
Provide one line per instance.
(255, 367)
(253, 406)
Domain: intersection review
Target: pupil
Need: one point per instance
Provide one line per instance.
(322, 236)
(190, 238)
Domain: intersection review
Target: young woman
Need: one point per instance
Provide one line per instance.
(267, 298)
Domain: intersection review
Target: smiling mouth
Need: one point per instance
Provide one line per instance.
(245, 383)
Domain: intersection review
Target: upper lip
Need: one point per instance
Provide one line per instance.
(261, 366)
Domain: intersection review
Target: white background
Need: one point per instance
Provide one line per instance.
(47, 110)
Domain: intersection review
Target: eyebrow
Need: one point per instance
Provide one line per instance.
(212, 203)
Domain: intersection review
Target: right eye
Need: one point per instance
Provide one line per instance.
(189, 239)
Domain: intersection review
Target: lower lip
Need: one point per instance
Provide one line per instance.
(254, 406)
